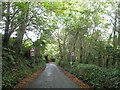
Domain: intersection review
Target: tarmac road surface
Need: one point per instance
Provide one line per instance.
(52, 77)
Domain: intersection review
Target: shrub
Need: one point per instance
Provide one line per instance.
(95, 76)
(15, 69)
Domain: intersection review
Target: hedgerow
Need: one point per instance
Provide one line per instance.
(97, 77)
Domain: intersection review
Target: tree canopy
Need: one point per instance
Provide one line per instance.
(78, 31)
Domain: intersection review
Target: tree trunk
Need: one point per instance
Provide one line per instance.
(81, 49)
(64, 48)
(119, 23)
(21, 30)
(7, 23)
(74, 46)
(20, 35)
(75, 37)
(60, 49)
(114, 41)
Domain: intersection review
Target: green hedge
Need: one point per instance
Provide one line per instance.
(97, 77)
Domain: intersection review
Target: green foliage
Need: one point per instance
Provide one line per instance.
(15, 69)
(79, 26)
(23, 6)
(97, 77)
(27, 43)
(51, 49)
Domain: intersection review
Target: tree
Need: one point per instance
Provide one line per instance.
(7, 23)
(22, 19)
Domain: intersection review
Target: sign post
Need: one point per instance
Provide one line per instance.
(72, 57)
(32, 55)
(32, 52)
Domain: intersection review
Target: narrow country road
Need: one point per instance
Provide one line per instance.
(52, 77)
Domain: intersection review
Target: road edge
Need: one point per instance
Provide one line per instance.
(76, 80)
(29, 79)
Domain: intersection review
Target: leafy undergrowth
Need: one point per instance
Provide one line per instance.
(29, 79)
(16, 67)
(76, 80)
(97, 77)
